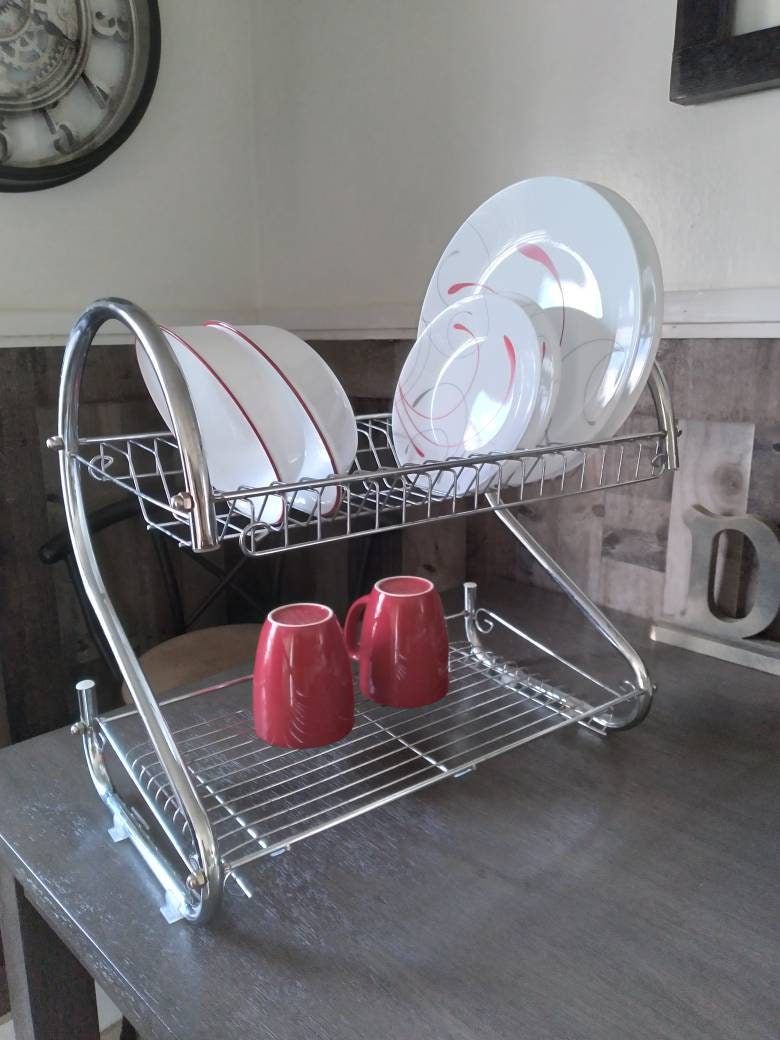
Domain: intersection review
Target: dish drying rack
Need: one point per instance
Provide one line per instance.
(198, 794)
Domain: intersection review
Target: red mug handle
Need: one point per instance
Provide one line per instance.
(354, 615)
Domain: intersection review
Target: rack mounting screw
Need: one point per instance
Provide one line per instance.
(55, 443)
(196, 880)
(182, 500)
(78, 729)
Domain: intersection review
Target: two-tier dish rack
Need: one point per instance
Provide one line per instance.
(207, 797)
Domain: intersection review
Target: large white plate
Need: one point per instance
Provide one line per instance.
(245, 412)
(583, 254)
(481, 378)
(325, 414)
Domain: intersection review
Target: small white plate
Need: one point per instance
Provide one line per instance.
(481, 378)
(586, 258)
(325, 414)
(242, 409)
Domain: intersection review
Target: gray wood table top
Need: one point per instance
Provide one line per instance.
(577, 889)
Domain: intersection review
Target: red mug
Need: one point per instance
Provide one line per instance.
(403, 648)
(302, 690)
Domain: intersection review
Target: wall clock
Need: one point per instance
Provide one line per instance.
(75, 79)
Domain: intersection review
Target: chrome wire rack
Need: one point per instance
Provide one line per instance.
(262, 800)
(210, 796)
(378, 495)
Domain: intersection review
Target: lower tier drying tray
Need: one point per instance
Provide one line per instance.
(263, 799)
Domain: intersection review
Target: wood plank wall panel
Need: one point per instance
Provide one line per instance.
(33, 666)
(44, 643)
(614, 543)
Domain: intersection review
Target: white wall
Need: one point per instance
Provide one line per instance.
(750, 15)
(311, 158)
(167, 219)
(382, 125)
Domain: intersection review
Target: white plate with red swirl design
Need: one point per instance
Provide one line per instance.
(244, 418)
(583, 254)
(482, 378)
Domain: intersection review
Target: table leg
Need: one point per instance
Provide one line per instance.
(52, 994)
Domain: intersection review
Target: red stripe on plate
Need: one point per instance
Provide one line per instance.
(227, 327)
(229, 392)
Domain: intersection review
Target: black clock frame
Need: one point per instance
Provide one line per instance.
(37, 179)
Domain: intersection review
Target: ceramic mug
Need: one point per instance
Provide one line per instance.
(302, 690)
(403, 648)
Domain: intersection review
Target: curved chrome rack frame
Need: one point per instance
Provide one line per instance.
(211, 828)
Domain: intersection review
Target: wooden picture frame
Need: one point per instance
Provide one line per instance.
(709, 62)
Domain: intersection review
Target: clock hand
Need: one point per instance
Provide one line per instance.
(100, 94)
(65, 140)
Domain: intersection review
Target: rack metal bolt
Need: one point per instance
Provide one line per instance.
(196, 880)
(182, 500)
(78, 729)
(55, 443)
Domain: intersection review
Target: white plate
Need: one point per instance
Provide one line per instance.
(481, 378)
(515, 473)
(244, 411)
(328, 421)
(586, 258)
(651, 306)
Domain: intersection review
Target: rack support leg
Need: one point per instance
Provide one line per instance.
(624, 716)
(180, 902)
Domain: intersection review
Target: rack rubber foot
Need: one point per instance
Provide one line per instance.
(117, 831)
(171, 908)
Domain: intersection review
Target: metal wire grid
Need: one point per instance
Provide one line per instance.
(261, 799)
(377, 495)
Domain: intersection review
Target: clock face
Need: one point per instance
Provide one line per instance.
(75, 78)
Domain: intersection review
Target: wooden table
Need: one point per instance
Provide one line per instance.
(577, 889)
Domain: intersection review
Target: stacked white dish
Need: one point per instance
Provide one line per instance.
(269, 410)
(539, 329)
(483, 377)
(580, 257)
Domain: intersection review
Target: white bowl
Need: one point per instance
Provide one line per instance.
(246, 414)
(326, 415)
